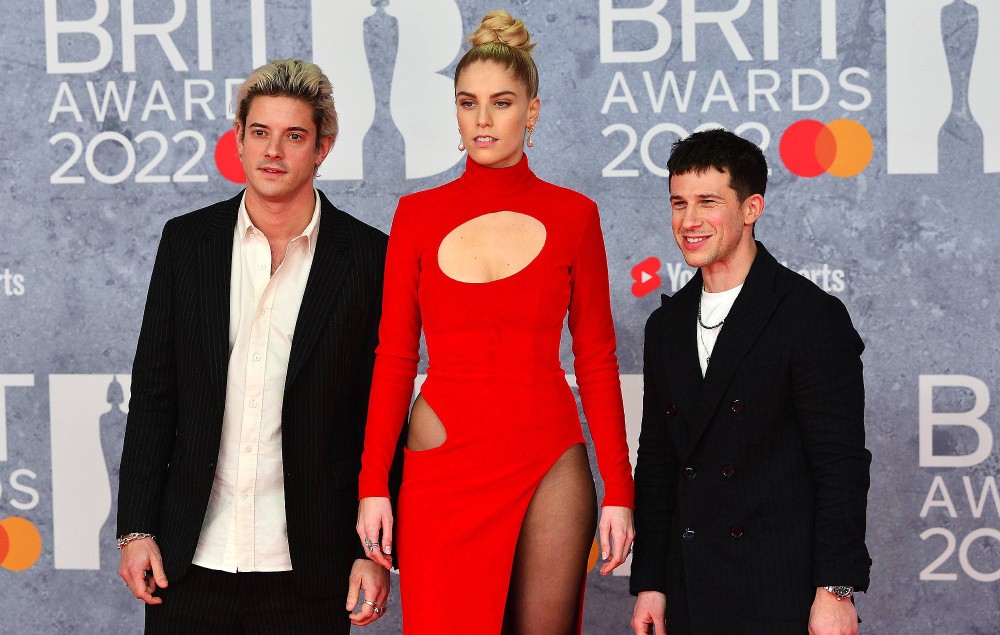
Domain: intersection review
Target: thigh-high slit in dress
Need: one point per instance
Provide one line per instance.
(495, 381)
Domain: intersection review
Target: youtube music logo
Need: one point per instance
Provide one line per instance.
(646, 276)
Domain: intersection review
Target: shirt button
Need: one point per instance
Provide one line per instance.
(243, 496)
(253, 403)
(737, 406)
(260, 266)
(690, 473)
(249, 449)
(736, 531)
(256, 357)
(728, 470)
(671, 410)
(688, 535)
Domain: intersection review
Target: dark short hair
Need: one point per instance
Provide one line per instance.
(726, 152)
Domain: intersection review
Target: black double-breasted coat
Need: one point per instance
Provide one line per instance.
(751, 483)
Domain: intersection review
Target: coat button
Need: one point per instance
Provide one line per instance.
(736, 531)
(728, 470)
(690, 473)
(671, 410)
(688, 535)
(737, 406)
(211, 465)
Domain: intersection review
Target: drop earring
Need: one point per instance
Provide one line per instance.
(531, 137)
(461, 144)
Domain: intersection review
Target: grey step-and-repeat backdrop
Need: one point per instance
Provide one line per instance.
(880, 120)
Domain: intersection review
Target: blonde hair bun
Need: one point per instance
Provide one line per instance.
(500, 27)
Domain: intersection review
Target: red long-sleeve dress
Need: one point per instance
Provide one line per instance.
(495, 381)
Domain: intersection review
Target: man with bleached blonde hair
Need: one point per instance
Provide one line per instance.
(243, 444)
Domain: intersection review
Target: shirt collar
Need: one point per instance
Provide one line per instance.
(244, 225)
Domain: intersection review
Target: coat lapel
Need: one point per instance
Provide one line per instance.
(750, 313)
(330, 266)
(215, 260)
(680, 355)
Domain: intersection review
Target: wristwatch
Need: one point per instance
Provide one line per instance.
(840, 592)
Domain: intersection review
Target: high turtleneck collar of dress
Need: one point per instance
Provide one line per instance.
(498, 181)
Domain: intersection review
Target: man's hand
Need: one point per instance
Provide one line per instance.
(650, 608)
(142, 569)
(374, 580)
(617, 531)
(830, 616)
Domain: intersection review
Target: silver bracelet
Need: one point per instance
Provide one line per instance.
(127, 538)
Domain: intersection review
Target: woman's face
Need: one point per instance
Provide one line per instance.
(494, 111)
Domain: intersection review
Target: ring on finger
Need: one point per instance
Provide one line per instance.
(371, 604)
(372, 546)
(379, 610)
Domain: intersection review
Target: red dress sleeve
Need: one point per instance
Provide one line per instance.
(596, 364)
(397, 355)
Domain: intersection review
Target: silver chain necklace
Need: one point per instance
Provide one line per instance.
(701, 334)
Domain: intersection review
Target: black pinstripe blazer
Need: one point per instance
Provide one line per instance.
(751, 484)
(179, 385)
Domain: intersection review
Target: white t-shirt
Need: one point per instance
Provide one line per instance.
(714, 309)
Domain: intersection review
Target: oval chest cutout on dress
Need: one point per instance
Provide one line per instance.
(491, 247)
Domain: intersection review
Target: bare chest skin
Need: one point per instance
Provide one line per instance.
(490, 247)
(278, 251)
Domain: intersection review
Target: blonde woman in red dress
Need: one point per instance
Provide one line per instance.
(497, 510)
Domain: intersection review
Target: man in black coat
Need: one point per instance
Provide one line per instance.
(752, 473)
(238, 494)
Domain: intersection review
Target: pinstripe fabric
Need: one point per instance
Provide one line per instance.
(751, 485)
(178, 393)
(221, 603)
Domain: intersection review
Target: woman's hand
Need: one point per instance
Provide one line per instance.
(617, 532)
(375, 522)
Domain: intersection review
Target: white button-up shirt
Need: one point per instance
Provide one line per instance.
(245, 527)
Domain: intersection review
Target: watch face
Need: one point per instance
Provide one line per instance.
(843, 591)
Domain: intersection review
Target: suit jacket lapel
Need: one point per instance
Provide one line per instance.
(750, 313)
(680, 355)
(215, 260)
(331, 262)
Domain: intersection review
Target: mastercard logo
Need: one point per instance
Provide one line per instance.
(20, 544)
(842, 148)
(227, 159)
